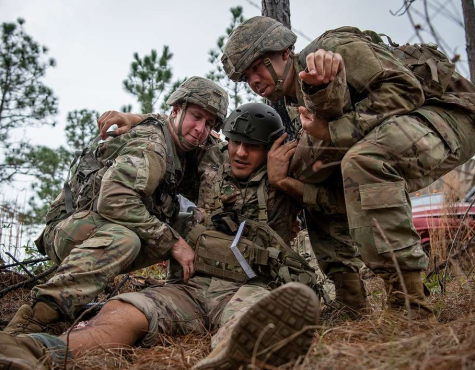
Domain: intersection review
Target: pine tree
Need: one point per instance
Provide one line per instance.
(149, 78)
(50, 166)
(24, 100)
(239, 92)
(81, 128)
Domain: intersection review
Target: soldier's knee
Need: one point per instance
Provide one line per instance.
(364, 162)
(114, 312)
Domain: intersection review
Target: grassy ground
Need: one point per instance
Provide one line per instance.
(377, 341)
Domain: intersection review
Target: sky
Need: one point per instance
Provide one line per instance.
(93, 41)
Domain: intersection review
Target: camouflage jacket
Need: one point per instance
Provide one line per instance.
(373, 86)
(376, 86)
(220, 189)
(129, 182)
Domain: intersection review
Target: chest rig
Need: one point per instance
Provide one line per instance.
(272, 260)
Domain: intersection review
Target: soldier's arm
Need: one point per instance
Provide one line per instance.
(278, 161)
(382, 85)
(313, 196)
(133, 177)
(124, 121)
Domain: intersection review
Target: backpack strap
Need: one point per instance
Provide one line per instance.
(262, 196)
(68, 195)
(218, 203)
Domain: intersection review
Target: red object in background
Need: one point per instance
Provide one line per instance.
(428, 211)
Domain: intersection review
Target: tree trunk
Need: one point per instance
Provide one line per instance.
(469, 18)
(280, 11)
(277, 9)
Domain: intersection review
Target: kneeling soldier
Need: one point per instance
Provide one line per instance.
(114, 215)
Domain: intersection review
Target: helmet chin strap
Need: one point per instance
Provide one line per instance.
(279, 82)
(179, 130)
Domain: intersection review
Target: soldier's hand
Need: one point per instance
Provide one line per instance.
(278, 160)
(313, 125)
(185, 256)
(322, 66)
(124, 121)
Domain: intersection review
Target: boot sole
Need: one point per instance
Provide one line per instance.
(289, 309)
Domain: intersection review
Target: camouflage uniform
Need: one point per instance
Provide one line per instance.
(122, 199)
(392, 140)
(126, 231)
(388, 138)
(206, 303)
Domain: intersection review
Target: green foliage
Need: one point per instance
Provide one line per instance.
(24, 100)
(127, 108)
(51, 166)
(239, 92)
(149, 78)
(81, 128)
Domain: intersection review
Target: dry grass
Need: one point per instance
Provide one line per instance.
(377, 341)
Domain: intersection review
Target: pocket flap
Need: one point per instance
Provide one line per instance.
(383, 195)
(97, 242)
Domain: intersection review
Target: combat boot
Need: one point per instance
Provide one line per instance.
(29, 320)
(277, 329)
(23, 353)
(416, 292)
(350, 295)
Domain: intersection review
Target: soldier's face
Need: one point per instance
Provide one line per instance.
(259, 78)
(197, 124)
(246, 158)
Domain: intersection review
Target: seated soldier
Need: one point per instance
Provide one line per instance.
(223, 294)
(113, 216)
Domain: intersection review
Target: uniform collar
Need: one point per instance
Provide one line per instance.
(255, 177)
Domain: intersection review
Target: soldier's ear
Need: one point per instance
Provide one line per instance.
(285, 54)
(175, 109)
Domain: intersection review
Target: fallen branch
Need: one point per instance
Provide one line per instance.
(26, 262)
(23, 283)
(23, 267)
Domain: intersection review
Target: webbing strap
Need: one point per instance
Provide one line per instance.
(262, 200)
(92, 162)
(279, 82)
(284, 273)
(218, 272)
(170, 158)
(196, 232)
(218, 203)
(433, 69)
(68, 194)
(217, 257)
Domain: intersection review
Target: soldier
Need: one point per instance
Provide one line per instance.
(397, 118)
(113, 216)
(252, 321)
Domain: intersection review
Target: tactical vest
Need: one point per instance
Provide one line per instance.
(264, 250)
(82, 186)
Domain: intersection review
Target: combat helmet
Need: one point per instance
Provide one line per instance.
(254, 123)
(203, 93)
(253, 39)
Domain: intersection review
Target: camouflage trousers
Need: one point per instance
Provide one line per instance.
(90, 251)
(402, 155)
(201, 305)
